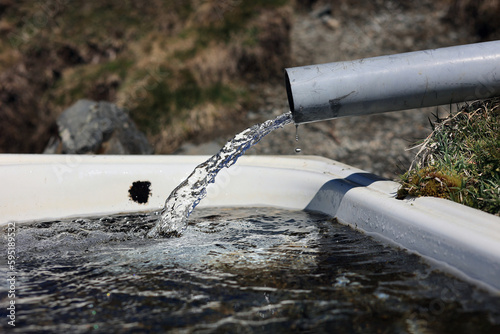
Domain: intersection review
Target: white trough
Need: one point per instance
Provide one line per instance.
(463, 241)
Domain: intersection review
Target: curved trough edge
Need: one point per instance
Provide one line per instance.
(463, 241)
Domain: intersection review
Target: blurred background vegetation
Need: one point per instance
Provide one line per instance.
(183, 68)
(179, 67)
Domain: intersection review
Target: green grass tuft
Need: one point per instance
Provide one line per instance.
(460, 160)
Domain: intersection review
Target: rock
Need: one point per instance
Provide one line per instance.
(322, 11)
(330, 22)
(97, 128)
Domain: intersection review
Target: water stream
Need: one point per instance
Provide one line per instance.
(186, 196)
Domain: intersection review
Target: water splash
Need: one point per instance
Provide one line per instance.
(186, 196)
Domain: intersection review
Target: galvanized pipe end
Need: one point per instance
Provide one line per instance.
(289, 94)
(304, 112)
(396, 82)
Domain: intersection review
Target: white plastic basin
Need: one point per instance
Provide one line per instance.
(464, 241)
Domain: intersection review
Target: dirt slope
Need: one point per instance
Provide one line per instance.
(377, 143)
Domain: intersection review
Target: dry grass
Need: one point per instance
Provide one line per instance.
(178, 66)
(169, 62)
(460, 159)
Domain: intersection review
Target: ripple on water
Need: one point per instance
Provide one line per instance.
(252, 269)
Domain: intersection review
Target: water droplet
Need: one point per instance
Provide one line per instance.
(297, 149)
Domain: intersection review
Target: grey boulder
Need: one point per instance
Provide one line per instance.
(97, 128)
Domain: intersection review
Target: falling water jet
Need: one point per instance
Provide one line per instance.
(186, 196)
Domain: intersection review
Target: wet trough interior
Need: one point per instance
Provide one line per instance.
(234, 270)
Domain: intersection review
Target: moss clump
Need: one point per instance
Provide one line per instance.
(460, 160)
(430, 181)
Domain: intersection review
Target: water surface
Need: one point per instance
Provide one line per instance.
(234, 270)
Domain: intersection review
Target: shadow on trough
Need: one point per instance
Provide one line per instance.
(330, 195)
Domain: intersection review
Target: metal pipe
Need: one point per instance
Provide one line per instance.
(397, 82)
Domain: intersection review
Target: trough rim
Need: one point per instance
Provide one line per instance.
(459, 239)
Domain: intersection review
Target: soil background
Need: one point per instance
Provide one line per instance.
(340, 30)
(39, 79)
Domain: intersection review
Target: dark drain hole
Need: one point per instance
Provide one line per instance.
(139, 191)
